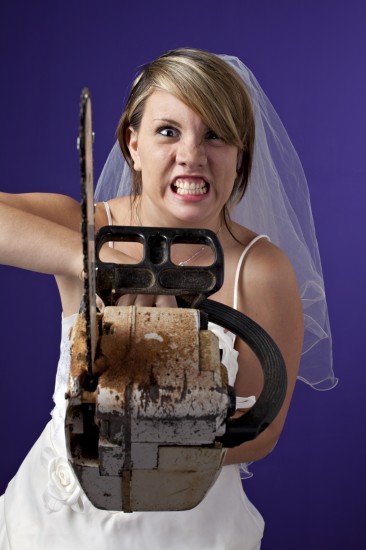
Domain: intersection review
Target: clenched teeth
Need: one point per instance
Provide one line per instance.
(185, 187)
(201, 191)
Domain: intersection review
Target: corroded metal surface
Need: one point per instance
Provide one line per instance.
(85, 146)
(145, 437)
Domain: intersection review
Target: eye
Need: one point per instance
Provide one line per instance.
(168, 131)
(212, 135)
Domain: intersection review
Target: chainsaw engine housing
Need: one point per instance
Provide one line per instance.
(142, 432)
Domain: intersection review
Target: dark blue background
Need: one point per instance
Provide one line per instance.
(309, 57)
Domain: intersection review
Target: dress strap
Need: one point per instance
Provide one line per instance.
(108, 212)
(240, 263)
(109, 217)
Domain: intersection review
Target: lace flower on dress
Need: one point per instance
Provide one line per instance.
(63, 488)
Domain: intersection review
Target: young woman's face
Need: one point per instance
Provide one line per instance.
(187, 171)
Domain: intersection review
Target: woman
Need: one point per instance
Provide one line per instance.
(188, 135)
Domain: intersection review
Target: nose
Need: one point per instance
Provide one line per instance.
(191, 152)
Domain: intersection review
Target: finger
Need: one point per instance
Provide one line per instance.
(145, 300)
(140, 300)
(165, 300)
(99, 303)
(126, 300)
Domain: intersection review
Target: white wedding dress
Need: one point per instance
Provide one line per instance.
(44, 508)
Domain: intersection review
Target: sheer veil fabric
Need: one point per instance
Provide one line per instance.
(276, 203)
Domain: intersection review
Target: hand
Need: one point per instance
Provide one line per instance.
(147, 300)
(140, 300)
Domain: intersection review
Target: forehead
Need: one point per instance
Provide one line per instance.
(163, 105)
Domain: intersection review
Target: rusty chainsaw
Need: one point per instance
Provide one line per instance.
(149, 407)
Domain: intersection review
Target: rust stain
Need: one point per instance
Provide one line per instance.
(133, 358)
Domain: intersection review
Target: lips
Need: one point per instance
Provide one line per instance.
(190, 186)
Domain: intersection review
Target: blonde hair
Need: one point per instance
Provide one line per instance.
(212, 89)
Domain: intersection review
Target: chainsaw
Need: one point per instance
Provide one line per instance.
(149, 413)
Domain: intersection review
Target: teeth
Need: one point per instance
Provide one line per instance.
(181, 191)
(184, 187)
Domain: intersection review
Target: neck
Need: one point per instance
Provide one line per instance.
(183, 254)
(147, 218)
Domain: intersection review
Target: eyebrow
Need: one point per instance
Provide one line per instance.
(167, 121)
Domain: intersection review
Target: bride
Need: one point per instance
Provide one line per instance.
(194, 150)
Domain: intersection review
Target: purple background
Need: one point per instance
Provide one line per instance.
(310, 59)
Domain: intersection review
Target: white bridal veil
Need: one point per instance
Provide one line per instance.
(276, 203)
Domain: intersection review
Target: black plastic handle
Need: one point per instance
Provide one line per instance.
(156, 273)
(251, 424)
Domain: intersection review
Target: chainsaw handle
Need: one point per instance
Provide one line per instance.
(156, 273)
(272, 396)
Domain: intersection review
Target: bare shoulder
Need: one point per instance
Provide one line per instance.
(120, 211)
(268, 291)
(267, 265)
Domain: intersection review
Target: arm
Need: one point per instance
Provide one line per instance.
(40, 232)
(269, 295)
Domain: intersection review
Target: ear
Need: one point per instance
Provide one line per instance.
(132, 143)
